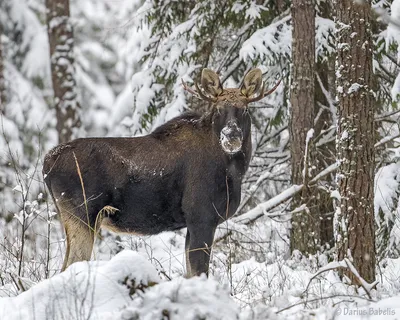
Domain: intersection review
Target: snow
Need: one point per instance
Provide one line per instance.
(354, 88)
(247, 287)
(387, 189)
(252, 12)
(33, 65)
(393, 34)
(18, 188)
(123, 66)
(265, 206)
(310, 135)
(323, 36)
(36, 63)
(121, 110)
(83, 289)
(266, 42)
(276, 40)
(395, 92)
(103, 93)
(127, 286)
(336, 195)
(196, 298)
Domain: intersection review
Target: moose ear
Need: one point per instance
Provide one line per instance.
(252, 82)
(211, 83)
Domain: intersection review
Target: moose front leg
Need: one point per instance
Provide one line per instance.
(199, 241)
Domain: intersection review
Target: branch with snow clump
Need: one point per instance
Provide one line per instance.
(346, 264)
(261, 209)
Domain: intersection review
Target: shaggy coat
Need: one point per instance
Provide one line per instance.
(187, 173)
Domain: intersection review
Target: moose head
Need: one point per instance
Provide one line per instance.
(230, 106)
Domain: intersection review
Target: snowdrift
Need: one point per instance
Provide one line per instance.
(126, 287)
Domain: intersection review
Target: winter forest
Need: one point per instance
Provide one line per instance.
(317, 232)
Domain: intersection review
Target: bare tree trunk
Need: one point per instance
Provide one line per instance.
(355, 138)
(3, 98)
(326, 154)
(62, 67)
(306, 223)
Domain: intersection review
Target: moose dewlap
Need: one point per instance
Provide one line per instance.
(187, 173)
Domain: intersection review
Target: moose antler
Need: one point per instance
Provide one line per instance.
(202, 95)
(197, 93)
(264, 94)
(189, 89)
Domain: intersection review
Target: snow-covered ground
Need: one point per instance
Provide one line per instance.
(145, 281)
(252, 274)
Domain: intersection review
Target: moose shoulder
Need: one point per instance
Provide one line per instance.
(187, 173)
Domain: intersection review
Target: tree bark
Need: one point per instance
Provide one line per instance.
(305, 235)
(62, 68)
(326, 154)
(355, 234)
(3, 98)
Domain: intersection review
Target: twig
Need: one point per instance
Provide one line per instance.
(364, 284)
(382, 117)
(21, 285)
(82, 184)
(319, 299)
(344, 264)
(189, 89)
(386, 140)
(84, 197)
(328, 97)
(265, 106)
(260, 210)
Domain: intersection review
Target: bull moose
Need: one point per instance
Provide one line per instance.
(186, 173)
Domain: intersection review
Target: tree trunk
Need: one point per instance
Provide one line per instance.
(306, 223)
(355, 238)
(62, 67)
(325, 154)
(3, 98)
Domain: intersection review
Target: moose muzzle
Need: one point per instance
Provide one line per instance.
(231, 138)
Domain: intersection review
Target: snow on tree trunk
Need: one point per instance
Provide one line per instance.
(62, 67)
(355, 235)
(2, 80)
(305, 223)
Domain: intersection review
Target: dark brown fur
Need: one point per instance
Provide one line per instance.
(176, 177)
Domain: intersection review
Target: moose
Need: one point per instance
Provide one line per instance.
(186, 173)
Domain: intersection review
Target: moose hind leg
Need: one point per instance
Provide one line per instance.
(80, 238)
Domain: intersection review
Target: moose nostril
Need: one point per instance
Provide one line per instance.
(231, 130)
(231, 139)
(226, 130)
